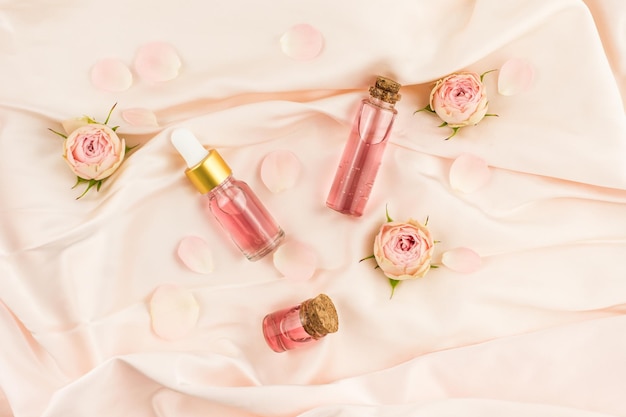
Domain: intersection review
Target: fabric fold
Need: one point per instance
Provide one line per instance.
(536, 330)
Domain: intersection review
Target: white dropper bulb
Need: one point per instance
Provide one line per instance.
(188, 146)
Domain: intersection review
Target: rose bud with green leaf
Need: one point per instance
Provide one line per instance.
(459, 100)
(92, 150)
(403, 250)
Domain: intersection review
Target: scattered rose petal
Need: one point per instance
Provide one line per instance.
(462, 260)
(295, 260)
(280, 170)
(71, 125)
(515, 76)
(157, 62)
(140, 117)
(174, 311)
(302, 42)
(111, 75)
(196, 254)
(468, 173)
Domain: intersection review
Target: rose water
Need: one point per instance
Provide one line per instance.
(300, 325)
(239, 211)
(232, 202)
(363, 152)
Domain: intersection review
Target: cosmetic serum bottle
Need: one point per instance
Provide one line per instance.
(235, 206)
(363, 152)
(300, 325)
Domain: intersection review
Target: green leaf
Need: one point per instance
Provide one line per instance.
(58, 133)
(491, 115)
(485, 73)
(366, 258)
(90, 184)
(114, 128)
(389, 219)
(394, 283)
(129, 148)
(434, 266)
(427, 108)
(79, 180)
(426, 222)
(84, 192)
(454, 131)
(91, 120)
(444, 124)
(110, 112)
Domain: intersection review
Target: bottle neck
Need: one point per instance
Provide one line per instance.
(380, 103)
(208, 173)
(227, 182)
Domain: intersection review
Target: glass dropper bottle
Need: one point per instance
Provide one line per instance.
(231, 201)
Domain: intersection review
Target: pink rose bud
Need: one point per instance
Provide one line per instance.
(93, 151)
(459, 99)
(403, 250)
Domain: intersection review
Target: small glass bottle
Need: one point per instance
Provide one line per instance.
(363, 152)
(235, 206)
(300, 325)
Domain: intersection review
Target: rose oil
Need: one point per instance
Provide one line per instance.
(232, 202)
(364, 150)
(300, 325)
(239, 211)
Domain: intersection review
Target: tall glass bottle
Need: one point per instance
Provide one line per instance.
(231, 201)
(363, 152)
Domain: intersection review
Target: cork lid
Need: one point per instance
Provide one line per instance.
(386, 89)
(319, 316)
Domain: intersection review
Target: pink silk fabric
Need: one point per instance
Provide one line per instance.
(538, 330)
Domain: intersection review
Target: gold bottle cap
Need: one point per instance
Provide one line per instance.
(208, 173)
(386, 89)
(319, 316)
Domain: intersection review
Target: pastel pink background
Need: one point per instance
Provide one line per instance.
(538, 330)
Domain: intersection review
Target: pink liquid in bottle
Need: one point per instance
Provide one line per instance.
(235, 206)
(283, 330)
(243, 216)
(300, 325)
(364, 150)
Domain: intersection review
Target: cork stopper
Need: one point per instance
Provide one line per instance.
(386, 90)
(319, 316)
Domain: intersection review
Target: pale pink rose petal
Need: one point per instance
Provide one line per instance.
(468, 173)
(174, 311)
(516, 76)
(302, 42)
(280, 170)
(111, 75)
(295, 260)
(157, 62)
(140, 117)
(196, 254)
(462, 260)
